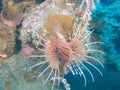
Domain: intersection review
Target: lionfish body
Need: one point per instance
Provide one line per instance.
(65, 49)
(58, 51)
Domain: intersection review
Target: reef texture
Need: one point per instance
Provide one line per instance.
(51, 31)
(39, 25)
(7, 41)
(12, 71)
(106, 22)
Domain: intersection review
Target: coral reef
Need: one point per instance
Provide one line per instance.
(7, 41)
(36, 27)
(65, 22)
(61, 39)
(32, 26)
(28, 50)
(55, 38)
(11, 14)
(106, 22)
(12, 73)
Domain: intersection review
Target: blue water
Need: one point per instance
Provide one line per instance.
(109, 81)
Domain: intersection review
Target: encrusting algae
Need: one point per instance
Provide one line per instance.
(7, 41)
(10, 17)
(11, 14)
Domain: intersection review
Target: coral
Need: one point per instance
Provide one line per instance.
(109, 29)
(32, 26)
(33, 31)
(10, 10)
(28, 50)
(11, 14)
(109, 15)
(111, 46)
(7, 41)
(60, 3)
(64, 22)
(84, 9)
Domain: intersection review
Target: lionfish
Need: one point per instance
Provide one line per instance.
(65, 49)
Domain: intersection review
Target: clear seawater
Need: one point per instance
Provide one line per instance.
(109, 81)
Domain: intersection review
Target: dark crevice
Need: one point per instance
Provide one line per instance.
(1, 5)
(18, 46)
(18, 42)
(39, 1)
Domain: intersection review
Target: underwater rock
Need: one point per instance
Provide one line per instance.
(11, 14)
(7, 41)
